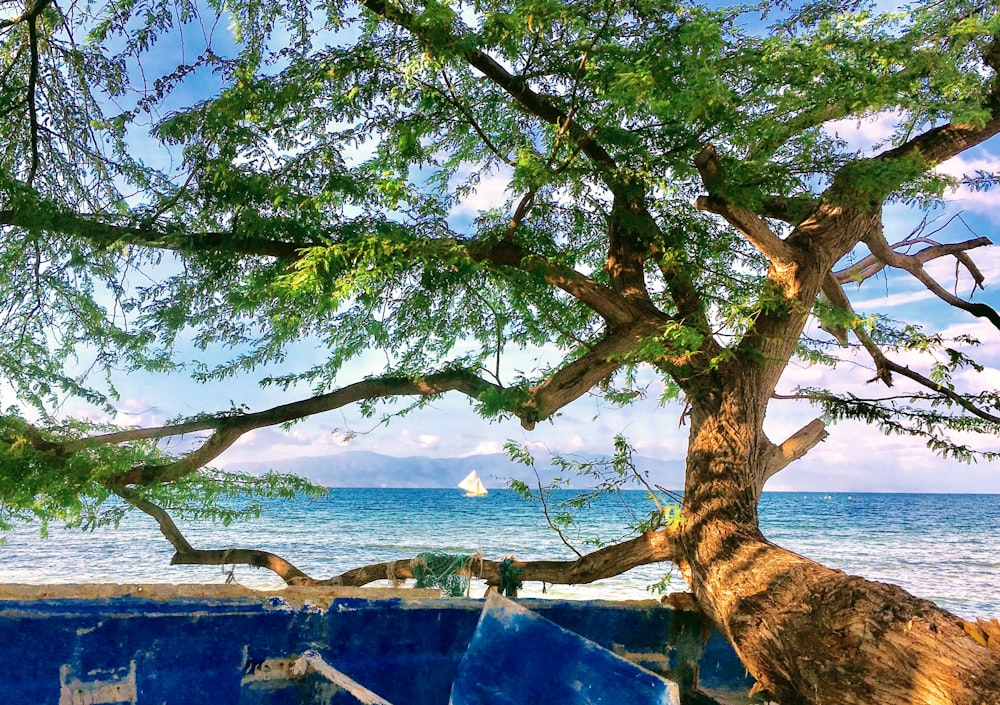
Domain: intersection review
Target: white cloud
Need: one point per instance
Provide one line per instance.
(491, 192)
(426, 441)
(866, 132)
(485, 448)
(962, 197)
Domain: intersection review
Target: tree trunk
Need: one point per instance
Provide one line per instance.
(810, 634)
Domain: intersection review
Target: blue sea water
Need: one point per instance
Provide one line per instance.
(944, 548)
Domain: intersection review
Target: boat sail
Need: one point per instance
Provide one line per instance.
(472, 485)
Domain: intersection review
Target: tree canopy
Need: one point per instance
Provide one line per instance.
(663, 191)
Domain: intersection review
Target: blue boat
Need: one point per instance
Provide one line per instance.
(89, 645)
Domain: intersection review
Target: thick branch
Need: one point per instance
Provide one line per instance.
(374, 388)
(177, 239)
(627, 247)
(167, 526)
(651, 547)
(946, 141)
(32, 96)
(244, 556)
(564, 386)
(602, 360)
(608, 304)
(789, 209)
(629, 229)
(28, 16)
(752, 226)
(605, 302)
(942, 143)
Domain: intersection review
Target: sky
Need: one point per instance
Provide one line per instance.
(853, 458)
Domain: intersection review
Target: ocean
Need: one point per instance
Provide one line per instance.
(945, 548)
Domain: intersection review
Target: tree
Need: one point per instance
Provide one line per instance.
(673, 202)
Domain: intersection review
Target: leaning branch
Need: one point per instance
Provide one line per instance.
(651, 547)
(752, 226)
(228, 429)
(186, 554)
(655, 546)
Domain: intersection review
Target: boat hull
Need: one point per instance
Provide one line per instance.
(199, 645)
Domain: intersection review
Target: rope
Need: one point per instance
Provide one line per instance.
(509, 572)
(449, 572)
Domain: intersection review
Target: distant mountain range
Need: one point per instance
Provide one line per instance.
(367, 469)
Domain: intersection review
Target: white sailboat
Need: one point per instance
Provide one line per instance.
(472, 485)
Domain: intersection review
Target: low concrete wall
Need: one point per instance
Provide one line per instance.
(83, 645)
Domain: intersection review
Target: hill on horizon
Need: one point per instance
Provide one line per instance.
(362, 468)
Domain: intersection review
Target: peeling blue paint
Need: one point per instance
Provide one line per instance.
(140, 648)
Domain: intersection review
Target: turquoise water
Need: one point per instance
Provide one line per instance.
(942, 547)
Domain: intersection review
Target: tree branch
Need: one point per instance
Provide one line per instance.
(515, 86)
(28, 16)
(789, 209)
(946, 141)
(914, 264)
(176, 239)
(607, 303)
(794, 447)
(564, 386)
(884, 367)
(167, 526)
(186, 554)
(32, 93)
(229, 428)
(871, 265)
(652, 547)
(244, 556)
(578, 377)
(752, 226)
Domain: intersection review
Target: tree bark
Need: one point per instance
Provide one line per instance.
(809, 634)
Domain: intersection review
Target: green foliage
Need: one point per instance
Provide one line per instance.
(609, 477)
(313, 174)
(43, 485)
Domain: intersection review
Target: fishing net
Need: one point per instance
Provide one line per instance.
(447, 571)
